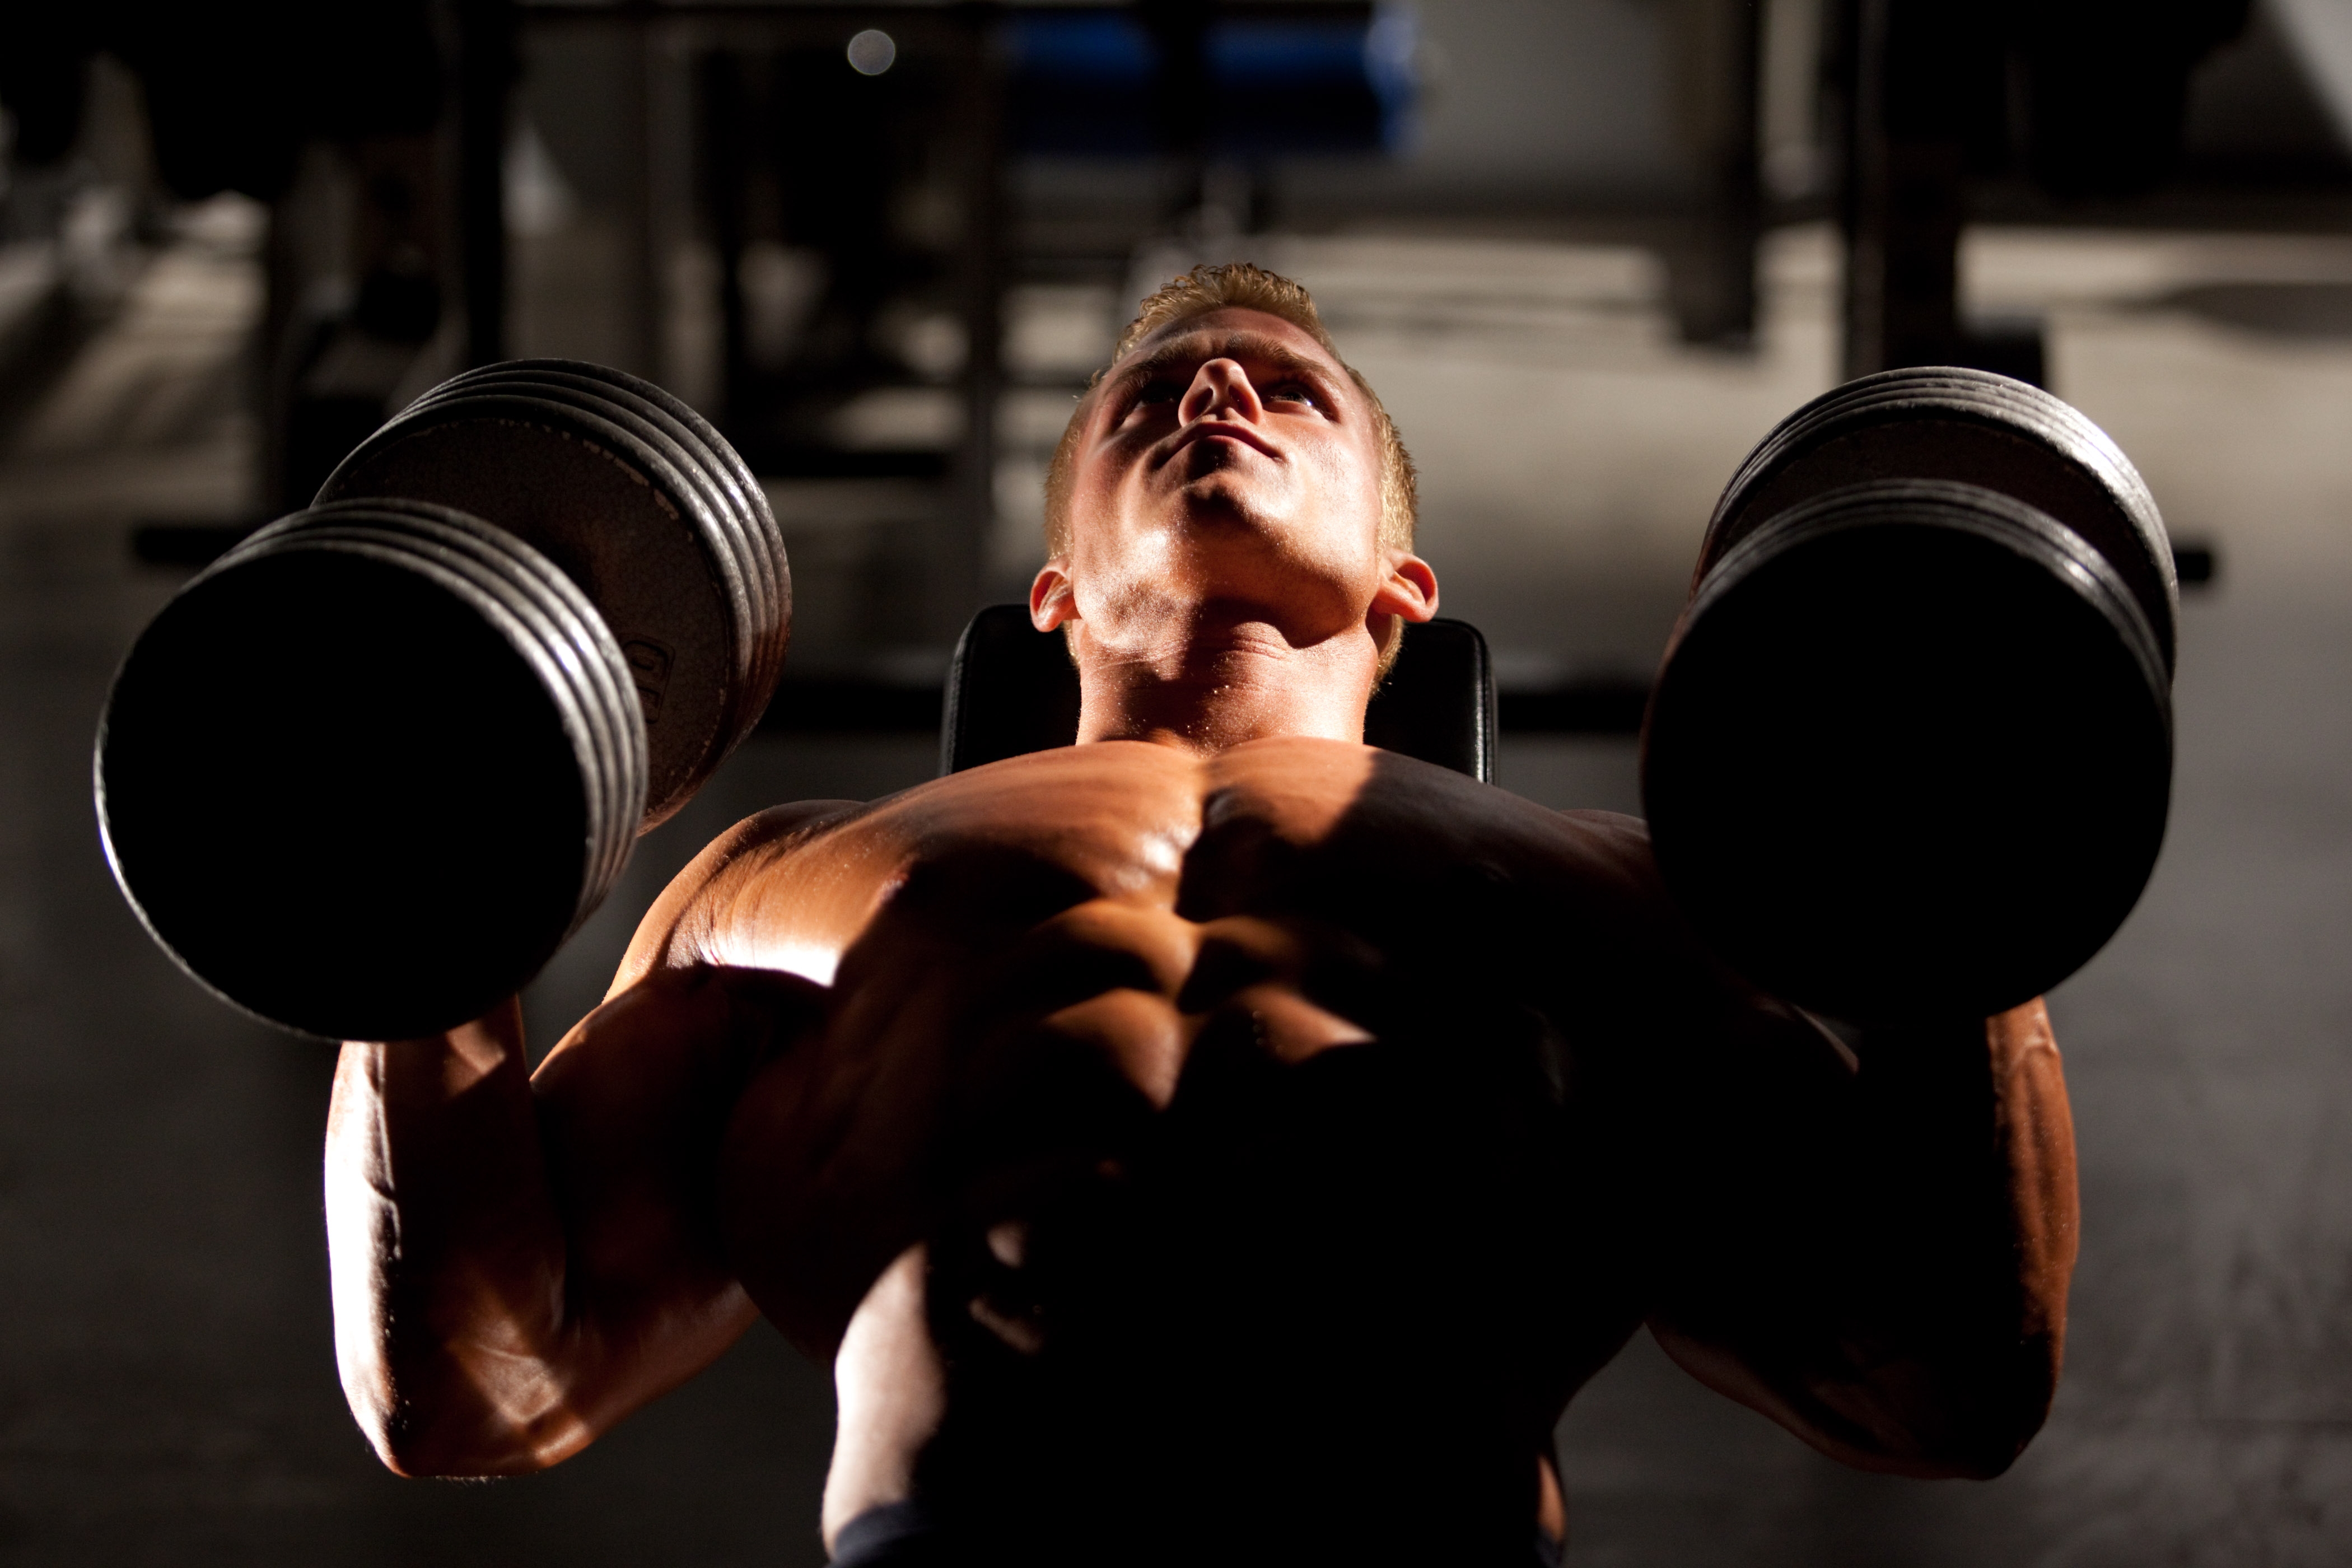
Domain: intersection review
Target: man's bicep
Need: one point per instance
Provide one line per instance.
(632, 1108)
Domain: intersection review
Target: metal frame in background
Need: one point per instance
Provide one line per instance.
(491, 36)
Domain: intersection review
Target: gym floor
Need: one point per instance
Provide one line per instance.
(167, 1385)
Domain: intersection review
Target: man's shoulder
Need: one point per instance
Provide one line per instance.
(794, 885)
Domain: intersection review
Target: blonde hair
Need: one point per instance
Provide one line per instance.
(1238, 285)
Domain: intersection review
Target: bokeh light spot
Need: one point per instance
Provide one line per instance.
(872, 52)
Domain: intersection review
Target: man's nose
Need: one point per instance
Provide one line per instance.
(1220, 387)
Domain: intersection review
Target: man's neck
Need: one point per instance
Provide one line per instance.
(1214, 689)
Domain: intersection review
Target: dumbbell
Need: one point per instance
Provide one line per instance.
(1910, 750)
(364, 775)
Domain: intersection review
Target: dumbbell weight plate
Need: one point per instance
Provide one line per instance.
(719, 459)
(721, 449)
(701, 495)
(761, 523)
(715, 489)
(1910, 752)
(351, 783)
(741, 498)
(1969, 427)
(583, 491)
(689, 428)
(566, 624)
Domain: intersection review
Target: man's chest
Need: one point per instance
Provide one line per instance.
(1037, 970)
(1291, 869)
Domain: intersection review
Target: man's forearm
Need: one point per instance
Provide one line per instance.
(2034, 1132)
(1882, 1265)
(1973, 1198)
(520, 1260)
(447, 1253)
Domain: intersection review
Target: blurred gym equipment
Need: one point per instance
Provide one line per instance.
(2087, 98)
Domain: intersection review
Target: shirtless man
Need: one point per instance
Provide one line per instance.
(1216, 1140)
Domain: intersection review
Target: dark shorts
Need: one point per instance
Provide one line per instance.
(904, 1535)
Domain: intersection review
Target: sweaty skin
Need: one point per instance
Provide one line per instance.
(1218, 1125)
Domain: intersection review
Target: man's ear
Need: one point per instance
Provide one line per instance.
(1052, 599)
(1409, 591)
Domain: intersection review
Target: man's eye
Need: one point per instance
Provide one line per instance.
(1290, 391)
(1158, 392)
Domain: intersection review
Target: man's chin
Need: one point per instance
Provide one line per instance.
(1233, 557)
(1223, 502)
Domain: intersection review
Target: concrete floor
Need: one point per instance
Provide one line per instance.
(167, 1391)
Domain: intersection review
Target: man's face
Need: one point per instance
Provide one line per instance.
(1227, 470)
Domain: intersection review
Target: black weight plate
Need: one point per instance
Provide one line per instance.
(580, 636)
(584, 630)
(714, 496)
(402, 539)
(641, 419)
(340, 790)
(574, 486)
(670, 467)
(1946, 423)
(676, 408)
(576, 643)
(1952, 424)
(746, 483)
(584, 644)
(762, 541)
(1968, 426)
(694, 433)
(704, 444)
(671, 473)
(584, 633)
(1910, 752)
